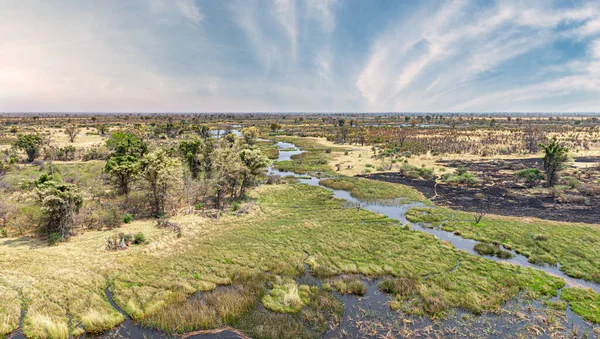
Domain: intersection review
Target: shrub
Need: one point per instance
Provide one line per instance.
(531, 176)
(457, 179)
(589, 189)
(139, 238)
(59, 203)
(571, 182)
(235, 206)
(54, 238)
(112, 218)
(127, 218)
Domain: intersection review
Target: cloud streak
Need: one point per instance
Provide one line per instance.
(311, 55)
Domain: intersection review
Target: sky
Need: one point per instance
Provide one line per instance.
(299, 56)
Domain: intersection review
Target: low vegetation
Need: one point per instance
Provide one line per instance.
(365, 189)
(574, 246)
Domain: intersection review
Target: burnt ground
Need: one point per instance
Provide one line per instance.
(501, 194)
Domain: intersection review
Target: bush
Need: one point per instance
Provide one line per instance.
(235, 206)
(127, 218)
(531, 176)
(571, 182)
(457, 179)
(54, 238)
(112, 218)
(139, 238)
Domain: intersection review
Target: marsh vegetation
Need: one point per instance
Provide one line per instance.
(189, 233)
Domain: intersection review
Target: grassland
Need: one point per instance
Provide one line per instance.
(315, 159)
(574, 246)
(58, 284)
(365, 189)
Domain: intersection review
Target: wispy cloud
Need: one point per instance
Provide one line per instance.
(318, 55)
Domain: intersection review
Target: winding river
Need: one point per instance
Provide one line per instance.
(373, 301)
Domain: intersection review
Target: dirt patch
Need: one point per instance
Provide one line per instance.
(510, 199)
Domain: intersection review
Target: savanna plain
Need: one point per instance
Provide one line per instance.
(299, 225)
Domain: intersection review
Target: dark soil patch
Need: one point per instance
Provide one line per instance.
(498, 199)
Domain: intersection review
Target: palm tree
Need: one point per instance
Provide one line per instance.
(554, 161)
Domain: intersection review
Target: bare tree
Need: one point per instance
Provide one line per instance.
(478, 217)
(401, 135)
(72, 131)
(532, 137)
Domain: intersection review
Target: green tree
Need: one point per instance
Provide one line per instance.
(554, 161)
(163, 175)
(227, 170)
(30, 143)
(123, 169)
(255, 162)
(102, 128)
(60, 203)
(275, 127)
(124, 143)
(191, 152)
(250, 135)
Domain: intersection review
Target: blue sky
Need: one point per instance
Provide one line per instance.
(304, 55)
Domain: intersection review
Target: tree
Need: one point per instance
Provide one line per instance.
(60, 203)
(275, 127)
(255, 162)
(532, 137)
(402, 134)
(72, 131)
(162, 173)
(250, 134)
(191, 151)
(228, 169)
(30, 143)
(554, 161)
(102, 129)
(123, 143)
(123, 169)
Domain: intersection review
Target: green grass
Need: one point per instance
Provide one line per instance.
(269, 149)
(349, 285)
(152, 282)
(575, 246)
(366, 189)
(315, 158)
(583, 301)
(84, 174)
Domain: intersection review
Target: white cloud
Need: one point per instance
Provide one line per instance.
(190, 10)
(434, 61)
(285, 11)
